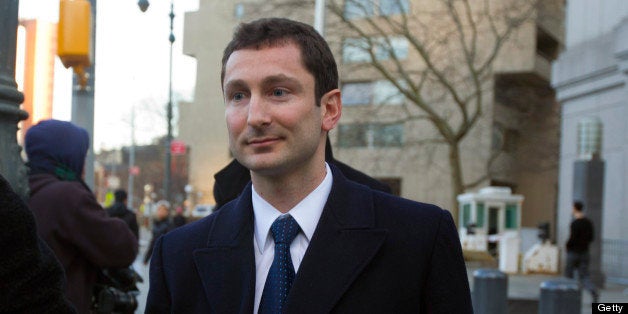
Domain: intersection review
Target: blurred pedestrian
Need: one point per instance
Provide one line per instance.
(178, 220)
(120, 210)
(31, 278)
(580, 237)
(68, 216)
(161, 226)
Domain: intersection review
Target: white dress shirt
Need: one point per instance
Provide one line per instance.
(306, 213)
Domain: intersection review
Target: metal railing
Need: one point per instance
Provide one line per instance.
(615, 260)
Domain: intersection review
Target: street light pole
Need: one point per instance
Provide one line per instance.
(11, 165)
(169, 111)
(319, 16)
(83, 103)
(143, 4)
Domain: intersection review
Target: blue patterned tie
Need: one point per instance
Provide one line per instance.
(281, 273)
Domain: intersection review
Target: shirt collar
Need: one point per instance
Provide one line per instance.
(306, 213)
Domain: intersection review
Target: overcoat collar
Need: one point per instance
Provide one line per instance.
(344, 242)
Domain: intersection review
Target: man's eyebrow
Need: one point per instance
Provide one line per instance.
(234, 84)
(281, 78)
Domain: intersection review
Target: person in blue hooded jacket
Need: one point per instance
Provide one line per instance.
(69, 219)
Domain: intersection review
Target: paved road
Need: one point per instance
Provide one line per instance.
(142, 269)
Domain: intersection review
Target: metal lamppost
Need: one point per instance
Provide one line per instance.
(11, 165)
(143, 4)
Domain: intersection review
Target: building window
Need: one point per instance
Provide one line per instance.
(546, 45)
(356, 93)
(511, 216)
(398, 45)
(385, 92)
(479, 221)
(382, 92)
(358, 8)
(358, 49)
(370, 135)
(355, 50)
(392, 7)
(387, 135)
(466, 215)
(355, 9)
(352, 135)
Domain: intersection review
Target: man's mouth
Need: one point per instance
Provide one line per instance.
(262, 141)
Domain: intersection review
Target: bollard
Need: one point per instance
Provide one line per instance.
(490, 292)
(560, 296)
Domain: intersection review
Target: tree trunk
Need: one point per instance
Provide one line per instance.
(457, 186)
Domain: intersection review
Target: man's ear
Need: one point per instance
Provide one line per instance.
(331, 105)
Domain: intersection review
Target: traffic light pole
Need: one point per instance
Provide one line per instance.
(168, 161)
(143, 4)
(83, 104)
(11, 165)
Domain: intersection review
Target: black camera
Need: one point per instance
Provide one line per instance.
(116, 291)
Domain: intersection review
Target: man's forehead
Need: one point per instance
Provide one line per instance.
(288, 44)
(271, 43)
(248, 52)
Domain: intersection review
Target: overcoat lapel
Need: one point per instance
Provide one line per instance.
(344, 242)
(227, 266)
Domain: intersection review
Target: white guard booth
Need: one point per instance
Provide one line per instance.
(490, 220)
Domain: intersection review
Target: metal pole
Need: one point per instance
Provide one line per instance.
(169, 113)
(490, 291)
(11, 165)
(83, 104)
(560, 296)
(131, 161)
(319, 16)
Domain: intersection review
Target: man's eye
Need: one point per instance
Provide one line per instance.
(279, 92)
(237, 96)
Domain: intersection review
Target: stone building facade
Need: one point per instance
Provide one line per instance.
(591, 81)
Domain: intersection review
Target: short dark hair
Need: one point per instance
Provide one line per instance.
(269, 32)
(120, 195)
(577, 205)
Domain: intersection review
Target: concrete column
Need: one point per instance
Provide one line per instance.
(588, 187)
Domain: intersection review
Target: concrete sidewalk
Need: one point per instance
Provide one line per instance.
(524, 292)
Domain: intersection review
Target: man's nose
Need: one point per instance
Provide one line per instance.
(258, 112)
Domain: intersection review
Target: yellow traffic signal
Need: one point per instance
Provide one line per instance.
(74, 37)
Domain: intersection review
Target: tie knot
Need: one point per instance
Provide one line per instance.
(284, 230)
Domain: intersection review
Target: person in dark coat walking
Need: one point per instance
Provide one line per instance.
(69, 219)
(178, 220)
(23, 252)
(119, 210)
(161, 226)
(580, 237)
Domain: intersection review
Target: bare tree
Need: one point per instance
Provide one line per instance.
(456, 42)
(445, 70)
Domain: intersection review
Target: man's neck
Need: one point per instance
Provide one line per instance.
(286, 191)
(578, 215)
